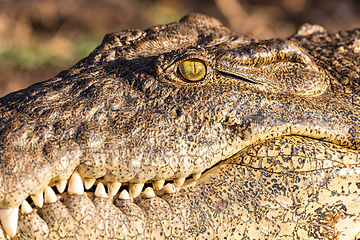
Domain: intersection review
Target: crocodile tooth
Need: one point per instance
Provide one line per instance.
(124, 195)
(50, 196)
(9, 220)
(25, 208)
(169, 188)
(196, 176)
(76, 185)
(135, 189)
(148, 193)
(61, 185)
(158, 184)
(113, 188)
(89, 182)
(179, 181)
(100, 191)
(38, 199)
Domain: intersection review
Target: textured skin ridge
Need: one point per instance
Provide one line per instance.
(273, 122)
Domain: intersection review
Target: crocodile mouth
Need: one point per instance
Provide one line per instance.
(259, 157)
(76, 185)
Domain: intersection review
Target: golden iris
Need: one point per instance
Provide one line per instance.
(192, 69)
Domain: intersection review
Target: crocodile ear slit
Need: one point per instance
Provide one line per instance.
(280, 64)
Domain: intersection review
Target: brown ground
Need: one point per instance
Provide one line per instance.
(38, 38)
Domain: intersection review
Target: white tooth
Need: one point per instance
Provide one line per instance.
(169, 188)
(38, 199)
(89, 182)
(61, 185)
(148, 193)
(179, 181)
(25, 208)
(50, 196)
(100, 191)
(124, 195)
(9, 220)
(158, 184)
(113, 188)
(135, 189)
(76, 185)
(196, 176)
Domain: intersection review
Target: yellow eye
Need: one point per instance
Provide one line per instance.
(192, 69)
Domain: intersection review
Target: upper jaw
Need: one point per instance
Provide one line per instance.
(168, 154)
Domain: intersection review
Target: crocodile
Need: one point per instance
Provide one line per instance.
(188, 131)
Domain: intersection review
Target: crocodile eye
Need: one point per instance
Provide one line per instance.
(192, 69)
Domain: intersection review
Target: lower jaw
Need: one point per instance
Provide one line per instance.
(74, 202)
(81, 212)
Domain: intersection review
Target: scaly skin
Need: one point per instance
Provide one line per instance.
(273, 126)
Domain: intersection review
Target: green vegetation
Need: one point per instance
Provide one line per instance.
(57, 52)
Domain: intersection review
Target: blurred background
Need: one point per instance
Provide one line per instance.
(39, 38)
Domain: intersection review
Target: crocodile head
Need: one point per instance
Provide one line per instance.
(252, 139)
